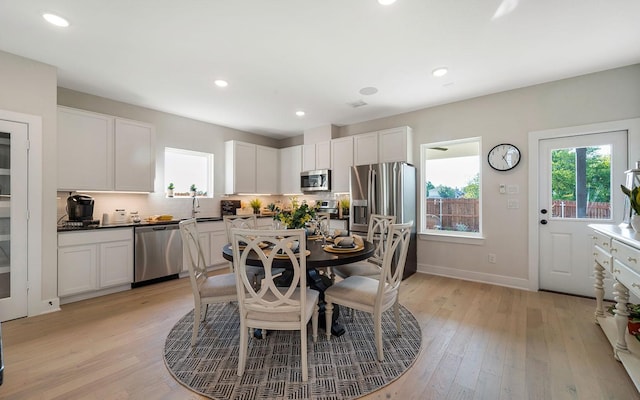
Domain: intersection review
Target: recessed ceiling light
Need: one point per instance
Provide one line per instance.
(221, 83)
(300, 113)
(438, 72)
(55, 20)
(368, 91)
(386, 2)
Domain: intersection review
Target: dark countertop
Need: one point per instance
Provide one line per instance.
(131, 224)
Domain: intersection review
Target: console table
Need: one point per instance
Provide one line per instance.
(616, 251)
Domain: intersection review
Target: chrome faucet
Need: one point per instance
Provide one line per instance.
(194, 204)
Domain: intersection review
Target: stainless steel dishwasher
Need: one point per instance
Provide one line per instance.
(158, 253)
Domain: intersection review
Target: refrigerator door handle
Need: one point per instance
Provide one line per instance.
(371, 203)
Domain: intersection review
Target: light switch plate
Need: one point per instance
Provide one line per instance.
(513, 203)
(513, 189)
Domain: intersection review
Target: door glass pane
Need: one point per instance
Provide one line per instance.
(581, 182)
(5, 214)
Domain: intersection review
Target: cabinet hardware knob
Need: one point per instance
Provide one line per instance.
(613, 249)
(605, 262)
(605, 244)
(631, 259)
(616, 271)
(635, 285)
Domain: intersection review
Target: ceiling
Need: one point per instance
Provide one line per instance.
(281, 56)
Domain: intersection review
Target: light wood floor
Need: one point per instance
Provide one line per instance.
(479, 342)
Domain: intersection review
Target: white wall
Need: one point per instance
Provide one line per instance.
(509, 117)
(29, 87)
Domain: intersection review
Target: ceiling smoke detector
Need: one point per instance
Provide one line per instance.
(357, 103)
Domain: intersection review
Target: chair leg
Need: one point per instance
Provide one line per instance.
(396, 311)
(314, 323)
(206, 309)
(303, 352)
(377, 327)
(244, 343)
(328, 314)
(196, 323)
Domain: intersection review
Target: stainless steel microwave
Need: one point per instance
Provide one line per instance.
(315, 181)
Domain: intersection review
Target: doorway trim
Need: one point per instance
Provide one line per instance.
(34, 206)
(632, 126)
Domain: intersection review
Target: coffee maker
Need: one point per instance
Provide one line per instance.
(80, 207)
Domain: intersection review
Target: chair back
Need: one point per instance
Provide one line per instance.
(239, 221)
(196, 264)
(395, 255)
(269, 299)
(377, 234)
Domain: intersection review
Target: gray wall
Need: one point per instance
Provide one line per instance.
(509, 117)
(29, 87)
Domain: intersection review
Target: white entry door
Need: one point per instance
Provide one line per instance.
(579, 184)
(13, 219)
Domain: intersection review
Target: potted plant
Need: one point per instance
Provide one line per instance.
(256, 204)
(170, 189)
(634, 199)
(344, 206)
(193, 189)
(633, 323)
(299, 215)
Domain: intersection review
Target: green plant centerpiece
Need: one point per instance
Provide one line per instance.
(256, 204)
(298, 216)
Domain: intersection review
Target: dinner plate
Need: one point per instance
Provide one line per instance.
(286, 256)
(262, 245)
(338, 249)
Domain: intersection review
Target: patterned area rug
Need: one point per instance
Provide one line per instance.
(343, 368)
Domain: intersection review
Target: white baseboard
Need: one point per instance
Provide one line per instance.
(500, 280)
(50, 305)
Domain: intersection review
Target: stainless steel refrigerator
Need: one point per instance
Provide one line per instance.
(387, 189)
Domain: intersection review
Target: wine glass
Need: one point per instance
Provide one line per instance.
(324, 231)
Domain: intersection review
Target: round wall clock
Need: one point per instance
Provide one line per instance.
(504, 157)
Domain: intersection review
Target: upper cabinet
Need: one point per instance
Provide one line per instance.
(396, 145)
(290, 168)
(341, 162)
(388, 145)
(134, 156)
(316, 156)
(102, 152)
(250, 168)
(365, 149)
(267, 164)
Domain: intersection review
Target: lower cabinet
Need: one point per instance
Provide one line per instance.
(213, 237)
(90, 261)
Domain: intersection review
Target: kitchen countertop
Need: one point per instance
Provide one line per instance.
(131, 224)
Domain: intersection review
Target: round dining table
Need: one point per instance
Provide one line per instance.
(318, 258)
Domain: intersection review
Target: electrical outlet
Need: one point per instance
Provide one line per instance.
(492, 258)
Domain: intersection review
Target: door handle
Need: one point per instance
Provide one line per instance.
(543, 221)
(543, 211)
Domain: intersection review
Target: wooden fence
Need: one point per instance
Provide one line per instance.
(567, 209)
(464, 214)
(453, 214)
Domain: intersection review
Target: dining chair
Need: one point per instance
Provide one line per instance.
(274, 306)
(372, 295)
(206, 289)
(244, 222)
(376, 233)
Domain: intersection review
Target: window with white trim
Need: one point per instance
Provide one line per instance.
(186, 169)
(451, 187)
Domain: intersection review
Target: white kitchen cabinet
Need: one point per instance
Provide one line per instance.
(316, 156)
(85, 150)
(102, 152)
(365, 148)
(213, 236)
(395, 145)
(290, 168)
(266, 166)
(134, 156)
(245, 164)
(341, 162)
(89, 261)
(387, 145)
